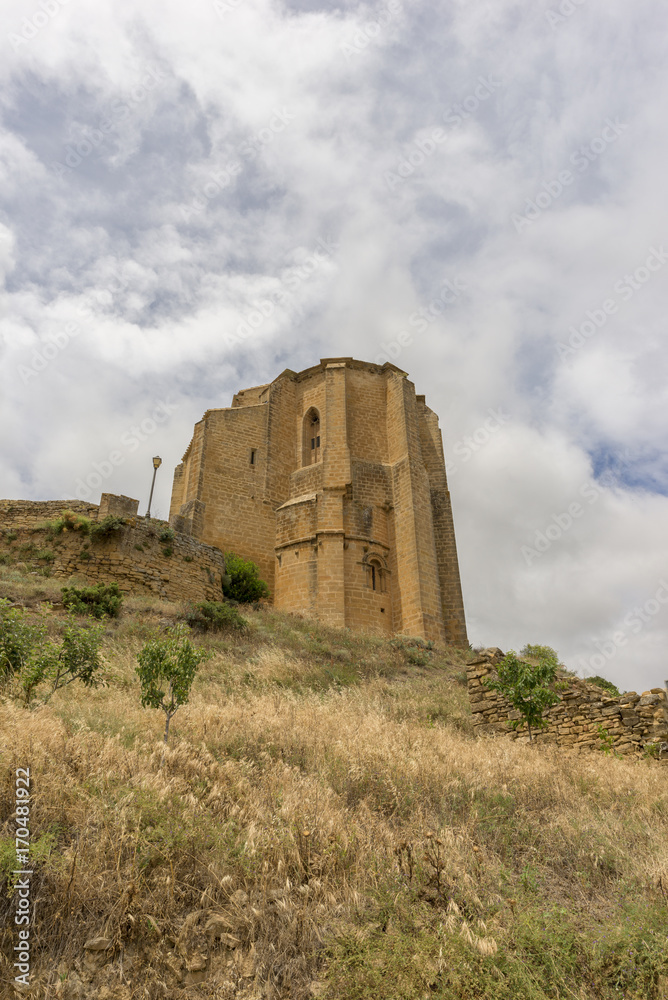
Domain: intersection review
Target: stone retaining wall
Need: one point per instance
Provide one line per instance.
(633, 720)
(176, 567)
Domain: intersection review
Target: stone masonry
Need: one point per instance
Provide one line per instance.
(632, 721)
(177, 567)
(333, 481)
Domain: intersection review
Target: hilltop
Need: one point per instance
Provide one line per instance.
(325, 824)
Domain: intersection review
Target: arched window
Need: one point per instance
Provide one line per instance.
(311, 437)
(375, 574)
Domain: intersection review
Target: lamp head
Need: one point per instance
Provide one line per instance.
(157, 462)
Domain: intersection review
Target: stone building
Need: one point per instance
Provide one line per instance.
(333, 481)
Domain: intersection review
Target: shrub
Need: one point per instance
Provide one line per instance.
(68, 521)
(242, 580)
(167, 535)
(168, 551)
(607, 741)
(526, 686)
(98, 601)
(11, 536)
(166, 670)
(215, 616)
(106, 527)
(606, 685)
(18, 639)
(77, 657)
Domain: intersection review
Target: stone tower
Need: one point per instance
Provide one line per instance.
(333, 481)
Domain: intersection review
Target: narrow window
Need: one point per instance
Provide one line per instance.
(311, 437)
(315, 439)
(252, 456)
(375, 577)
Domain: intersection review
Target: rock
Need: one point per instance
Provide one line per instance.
(173, 963)
(98, 944)
(217, 927)
(194, 977)
(246, 964)
(196, 962)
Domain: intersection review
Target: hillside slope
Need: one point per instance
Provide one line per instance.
(324, 825)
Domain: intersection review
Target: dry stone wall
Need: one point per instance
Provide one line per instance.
(632, 721)
(175, 567)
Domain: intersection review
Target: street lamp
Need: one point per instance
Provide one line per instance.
(157, 462)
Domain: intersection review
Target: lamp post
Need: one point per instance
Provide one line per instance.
(157, 462)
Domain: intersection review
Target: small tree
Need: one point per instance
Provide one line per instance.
(525, 685)
(166, 670)
(242, 580)
(18, 639)
(76, 658)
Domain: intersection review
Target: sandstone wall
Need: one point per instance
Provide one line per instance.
(376, 490)
(18, 514)
(178, 568)
(632, 720)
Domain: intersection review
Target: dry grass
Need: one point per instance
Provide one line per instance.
(326, 825)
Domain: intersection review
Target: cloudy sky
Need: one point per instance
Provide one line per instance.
(197, 196)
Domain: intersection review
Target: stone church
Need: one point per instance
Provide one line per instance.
(333, 481)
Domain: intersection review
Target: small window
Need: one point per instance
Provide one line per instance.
(252, 456)
(311, 438)
(375, 575)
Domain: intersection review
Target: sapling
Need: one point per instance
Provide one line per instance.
(525, 685)
(166, 670)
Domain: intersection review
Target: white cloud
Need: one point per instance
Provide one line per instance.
(232, 140)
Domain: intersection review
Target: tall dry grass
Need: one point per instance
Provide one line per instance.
(325, 824)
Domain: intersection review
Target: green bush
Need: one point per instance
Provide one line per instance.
(11, 536)
(167, 535)
(527, 686)
(98, 601)
(606, 685)
(106, 527)
(215, 616)
(68, 521)
(18, 639)
(242, 580)
(168, 551)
